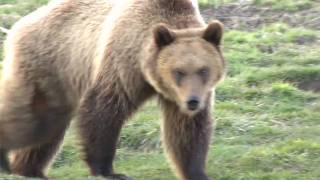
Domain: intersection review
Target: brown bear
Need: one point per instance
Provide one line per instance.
(98, 61)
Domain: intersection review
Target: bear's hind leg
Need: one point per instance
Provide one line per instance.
(32, 161)
(32, 124)
(16, 124)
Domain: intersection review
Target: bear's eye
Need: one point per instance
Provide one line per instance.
(178, 75)
(204, 74)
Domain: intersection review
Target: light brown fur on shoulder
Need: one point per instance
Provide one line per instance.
(99, 61)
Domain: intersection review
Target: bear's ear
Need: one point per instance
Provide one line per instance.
(163, 35)
(214, 32)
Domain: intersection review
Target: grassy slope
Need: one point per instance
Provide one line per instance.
(266, 128)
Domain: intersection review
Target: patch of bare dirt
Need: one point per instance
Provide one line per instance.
(246, 16)
(310, 86)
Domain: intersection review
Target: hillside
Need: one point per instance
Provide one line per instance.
(267, 110)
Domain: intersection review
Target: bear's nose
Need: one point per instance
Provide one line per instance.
(193, 103)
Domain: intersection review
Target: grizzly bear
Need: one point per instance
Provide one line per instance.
(98, 61)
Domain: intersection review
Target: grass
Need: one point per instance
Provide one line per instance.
(266, 126)
(19, 7)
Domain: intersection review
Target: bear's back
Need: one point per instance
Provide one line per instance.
(59, 38)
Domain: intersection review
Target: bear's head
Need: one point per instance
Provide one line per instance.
(187, 64)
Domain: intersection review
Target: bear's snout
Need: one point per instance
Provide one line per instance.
(193, 103)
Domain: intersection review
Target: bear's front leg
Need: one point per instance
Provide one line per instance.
(101, 115)
(186, 141)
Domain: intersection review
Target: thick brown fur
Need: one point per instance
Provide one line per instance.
(99, 61)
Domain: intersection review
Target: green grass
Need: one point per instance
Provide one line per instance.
(19, 7)
(266, 127)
